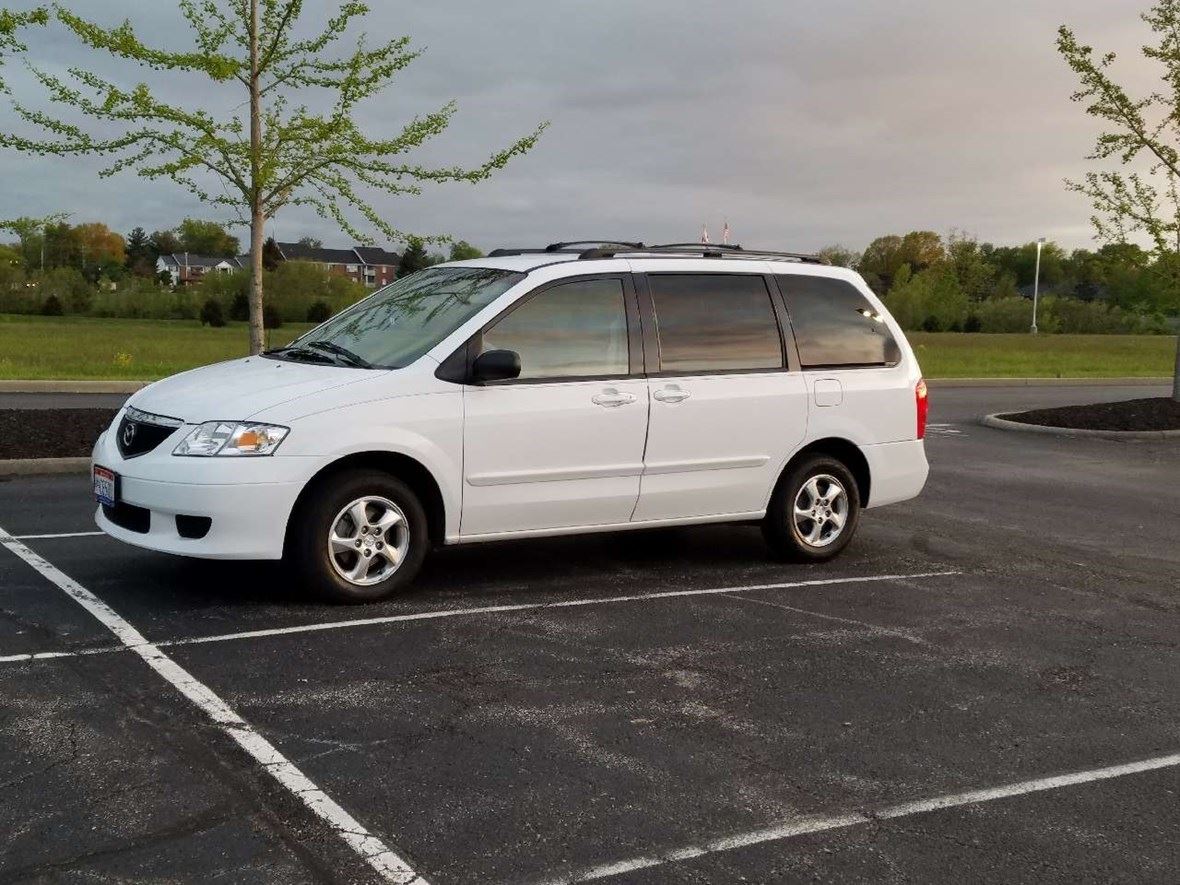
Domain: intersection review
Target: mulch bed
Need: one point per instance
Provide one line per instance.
(51, 433)
(1158, 413)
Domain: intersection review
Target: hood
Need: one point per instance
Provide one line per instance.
(239, 389)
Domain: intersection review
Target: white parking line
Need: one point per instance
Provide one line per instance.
(58, 535)
(388, 865)
(480, 610)
(807, 825)
(944, 429)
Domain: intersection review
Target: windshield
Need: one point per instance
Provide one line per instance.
(396, 325)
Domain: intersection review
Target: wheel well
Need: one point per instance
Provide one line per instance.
(847, 453)
(405, 468)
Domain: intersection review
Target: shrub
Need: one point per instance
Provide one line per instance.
(1004, 315)
(72, 290)
(318, 312)
(930, 300)
(239, 308)
(211, 314)
(143, 299)
(52, 307)
(271, 318)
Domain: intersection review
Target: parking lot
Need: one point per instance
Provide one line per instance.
(984, 687)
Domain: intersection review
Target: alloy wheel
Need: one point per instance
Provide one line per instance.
(821, 510)
(368, 541)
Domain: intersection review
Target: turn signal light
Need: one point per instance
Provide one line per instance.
(923, 403)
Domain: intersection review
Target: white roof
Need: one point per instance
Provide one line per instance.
(732, 264)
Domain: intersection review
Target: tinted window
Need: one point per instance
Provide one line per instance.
(715, 322)
(835, 325)
(574, 329)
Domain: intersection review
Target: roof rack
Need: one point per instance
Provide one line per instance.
(559, 247)
(564, 247)
(705, 250)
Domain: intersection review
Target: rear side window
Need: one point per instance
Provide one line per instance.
(835, 325)
(715, 323)
(575, 329)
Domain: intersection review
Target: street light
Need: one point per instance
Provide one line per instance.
(1037, 284)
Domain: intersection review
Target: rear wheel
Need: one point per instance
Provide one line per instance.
(814, 511)
(358, 536)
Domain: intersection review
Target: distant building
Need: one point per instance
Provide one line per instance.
(186, 268)
(365, 264)
(369, 265)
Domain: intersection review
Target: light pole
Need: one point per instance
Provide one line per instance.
(1037, 284)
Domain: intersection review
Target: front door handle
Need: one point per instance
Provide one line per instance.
(671, 394)
(611, 398)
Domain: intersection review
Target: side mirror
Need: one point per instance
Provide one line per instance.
(496, 365)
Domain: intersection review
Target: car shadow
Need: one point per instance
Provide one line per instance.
(477, 571)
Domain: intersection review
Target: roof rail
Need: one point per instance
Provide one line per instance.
(563, 247)
(559, 247)
(705, 250)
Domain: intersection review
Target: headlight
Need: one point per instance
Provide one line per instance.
(232, 438)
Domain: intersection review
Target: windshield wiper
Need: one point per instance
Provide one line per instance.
(298, 354)
(343, 352)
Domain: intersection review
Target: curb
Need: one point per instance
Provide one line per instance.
(1047, 382)
(72, 386)
(43, 466)
(995, 421)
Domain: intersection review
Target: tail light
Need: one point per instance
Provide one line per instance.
(923, 403)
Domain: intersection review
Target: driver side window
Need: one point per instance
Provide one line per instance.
(572, 330)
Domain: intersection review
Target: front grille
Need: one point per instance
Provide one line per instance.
(128, 516)
(140, 432)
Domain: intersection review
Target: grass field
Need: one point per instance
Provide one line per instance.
(80, 348)
(83, 348)
(955, 355)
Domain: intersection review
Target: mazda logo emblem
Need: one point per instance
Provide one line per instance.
(128, 434)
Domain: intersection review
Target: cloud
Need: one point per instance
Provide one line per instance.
(801, 123)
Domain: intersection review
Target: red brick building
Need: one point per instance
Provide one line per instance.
(370, 265)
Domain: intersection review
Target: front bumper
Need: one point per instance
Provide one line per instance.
(248, 500)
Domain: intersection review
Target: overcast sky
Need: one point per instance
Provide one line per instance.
(803, 124)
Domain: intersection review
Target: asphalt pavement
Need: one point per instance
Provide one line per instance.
(982, 688)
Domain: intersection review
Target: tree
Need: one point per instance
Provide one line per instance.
(164, 242)
(921, 249)
(272, 256)
(206, 238)
(100, 245)
(140, 260)
(282, 153)
(464, 251)
(976, 275)
(414, 258)
(62, 246)
(839, 256)
(881, 261)
(311, 243)
(1021, 263)
(31, 231)
(1129, 203)
(931, 300)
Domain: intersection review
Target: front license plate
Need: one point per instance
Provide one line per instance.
(106, 486)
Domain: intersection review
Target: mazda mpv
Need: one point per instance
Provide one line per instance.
(583, 387)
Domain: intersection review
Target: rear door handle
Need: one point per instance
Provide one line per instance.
(671, 394)
(611, 398)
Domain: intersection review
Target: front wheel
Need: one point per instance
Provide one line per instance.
(358, 536)
(814, 511)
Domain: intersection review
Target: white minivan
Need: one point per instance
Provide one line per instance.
(583, 387)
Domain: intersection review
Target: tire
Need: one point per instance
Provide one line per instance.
(366, 562)
(816, 539)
